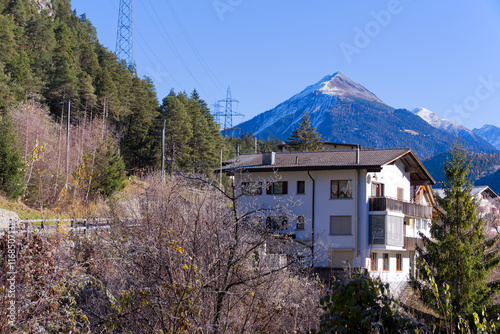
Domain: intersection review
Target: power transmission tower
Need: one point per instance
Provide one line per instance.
(228, 114)
(217, 113)
(124, 34)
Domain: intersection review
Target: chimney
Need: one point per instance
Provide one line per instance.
(357, 154)
(269, 158)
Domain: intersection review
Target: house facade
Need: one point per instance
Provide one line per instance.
(357, 207)
(488, 203)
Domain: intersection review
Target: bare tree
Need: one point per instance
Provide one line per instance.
(192, 261)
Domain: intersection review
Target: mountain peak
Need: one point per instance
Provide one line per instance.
(338, 84)
(439, 122)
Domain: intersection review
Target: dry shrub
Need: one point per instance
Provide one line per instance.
(189, 263)
(43, 285)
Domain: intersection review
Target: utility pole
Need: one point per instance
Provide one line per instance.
(67, 141)
(163, 153)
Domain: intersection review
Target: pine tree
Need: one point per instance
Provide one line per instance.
(205, 143)
(305, 137)
(460, 254)
(178, 130)
(109, 170)
(11, 172)
(138, 142)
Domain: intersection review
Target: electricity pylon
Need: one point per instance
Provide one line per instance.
(124, 34)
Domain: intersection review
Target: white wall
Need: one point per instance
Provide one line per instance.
(393, 176)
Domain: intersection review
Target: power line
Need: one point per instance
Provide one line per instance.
(195, 50)
(169, 41)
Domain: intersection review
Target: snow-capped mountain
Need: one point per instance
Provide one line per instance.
(344, 111)
(491, 133)
(451, 127)
(438, 122)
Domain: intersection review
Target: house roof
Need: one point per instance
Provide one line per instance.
(474, 191)
(370, 159)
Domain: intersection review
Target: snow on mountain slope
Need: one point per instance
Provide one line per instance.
(344, 111)
(491, 133)
(320, 96)
(438, 122)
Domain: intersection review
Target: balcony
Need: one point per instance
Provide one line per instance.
(412, 243)
(407, 208)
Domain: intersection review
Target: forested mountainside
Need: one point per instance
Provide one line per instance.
(482, 164)
(49, 54)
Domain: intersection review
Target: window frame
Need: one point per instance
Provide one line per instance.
(378, 189)
(373, 262)
(342, 222)
(385, 262)
(245, 185)
(300, 222)
(271, 188)
(280, 221)
(400, 194)
(338, 191)
(302, 187)
(399, 262)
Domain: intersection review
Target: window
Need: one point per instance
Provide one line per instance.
(401, 194)
(377, 189)
(277, 188)
(251, 188)
(340, 258)
(340, 225)
(300, 222)
(385, 262)
(377, 230)
(373, 261)
(301, 187)
(386, 230)
(399, 262)
(276, 223)
(341, 189)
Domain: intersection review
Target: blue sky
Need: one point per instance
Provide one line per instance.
(440, 55)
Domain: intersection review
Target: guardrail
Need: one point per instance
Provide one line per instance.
(76, 225)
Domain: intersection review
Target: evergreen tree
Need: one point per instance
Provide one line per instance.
(7, 90)
(305, 137)
(205, 143)
(8, 45)
(11, 172)
(460, 254)
(178, 130)
(64, 81)
(138, 142)
(109, 170)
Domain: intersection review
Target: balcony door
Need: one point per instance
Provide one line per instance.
(377, 189)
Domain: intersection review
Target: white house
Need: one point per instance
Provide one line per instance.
(488, 202)
(358, 206)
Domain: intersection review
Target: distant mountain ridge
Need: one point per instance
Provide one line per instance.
(491, 133)
(344, 111)
(453, 128)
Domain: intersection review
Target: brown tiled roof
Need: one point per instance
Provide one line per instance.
(371, 159)
(374, 158)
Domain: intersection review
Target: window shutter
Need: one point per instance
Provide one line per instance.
(269, 189)
(285, 187)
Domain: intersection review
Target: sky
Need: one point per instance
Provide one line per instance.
(440, 55)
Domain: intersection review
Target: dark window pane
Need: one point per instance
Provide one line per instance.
(301, 187)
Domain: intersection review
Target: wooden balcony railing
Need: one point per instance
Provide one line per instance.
(412, 243)
(407, 208)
